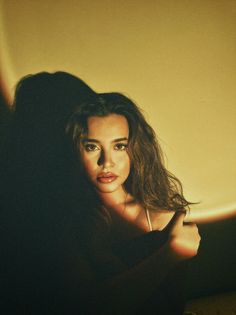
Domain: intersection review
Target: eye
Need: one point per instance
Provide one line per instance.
(120, 146)
(90, 147)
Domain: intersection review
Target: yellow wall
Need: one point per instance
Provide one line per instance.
(177, 59)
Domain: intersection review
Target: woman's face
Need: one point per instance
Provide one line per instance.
(104, 152)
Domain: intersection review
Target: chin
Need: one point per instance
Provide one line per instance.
(106, 191)
(107, 188)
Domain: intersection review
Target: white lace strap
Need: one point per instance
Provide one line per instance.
(148, 220)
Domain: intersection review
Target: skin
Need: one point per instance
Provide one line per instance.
(103, 151)
(104, 154)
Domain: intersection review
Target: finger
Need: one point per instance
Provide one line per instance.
(176, 221)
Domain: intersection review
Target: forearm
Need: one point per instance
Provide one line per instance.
(126, 292)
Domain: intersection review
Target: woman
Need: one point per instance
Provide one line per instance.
(134, 244)
(76, 236)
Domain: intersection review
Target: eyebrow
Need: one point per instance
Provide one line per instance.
(97, 141)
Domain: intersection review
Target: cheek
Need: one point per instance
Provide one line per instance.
(125, 163)
(89, 166)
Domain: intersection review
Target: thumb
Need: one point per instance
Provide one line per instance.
(176, 221)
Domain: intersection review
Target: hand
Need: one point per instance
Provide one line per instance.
(184, 239)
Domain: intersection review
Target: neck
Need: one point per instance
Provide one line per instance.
(113, 199)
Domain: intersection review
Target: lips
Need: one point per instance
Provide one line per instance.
(106, 178)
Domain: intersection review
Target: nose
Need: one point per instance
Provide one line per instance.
(106, 160)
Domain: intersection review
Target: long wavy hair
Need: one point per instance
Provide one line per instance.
(149, 182)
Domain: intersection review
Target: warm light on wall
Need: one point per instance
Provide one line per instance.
(175, 58)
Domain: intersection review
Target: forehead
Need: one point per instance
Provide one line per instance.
(111, 126)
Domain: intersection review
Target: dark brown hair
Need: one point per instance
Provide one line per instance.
(149, 182)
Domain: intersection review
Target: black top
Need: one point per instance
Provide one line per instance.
(169, 297)
(34, 267)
